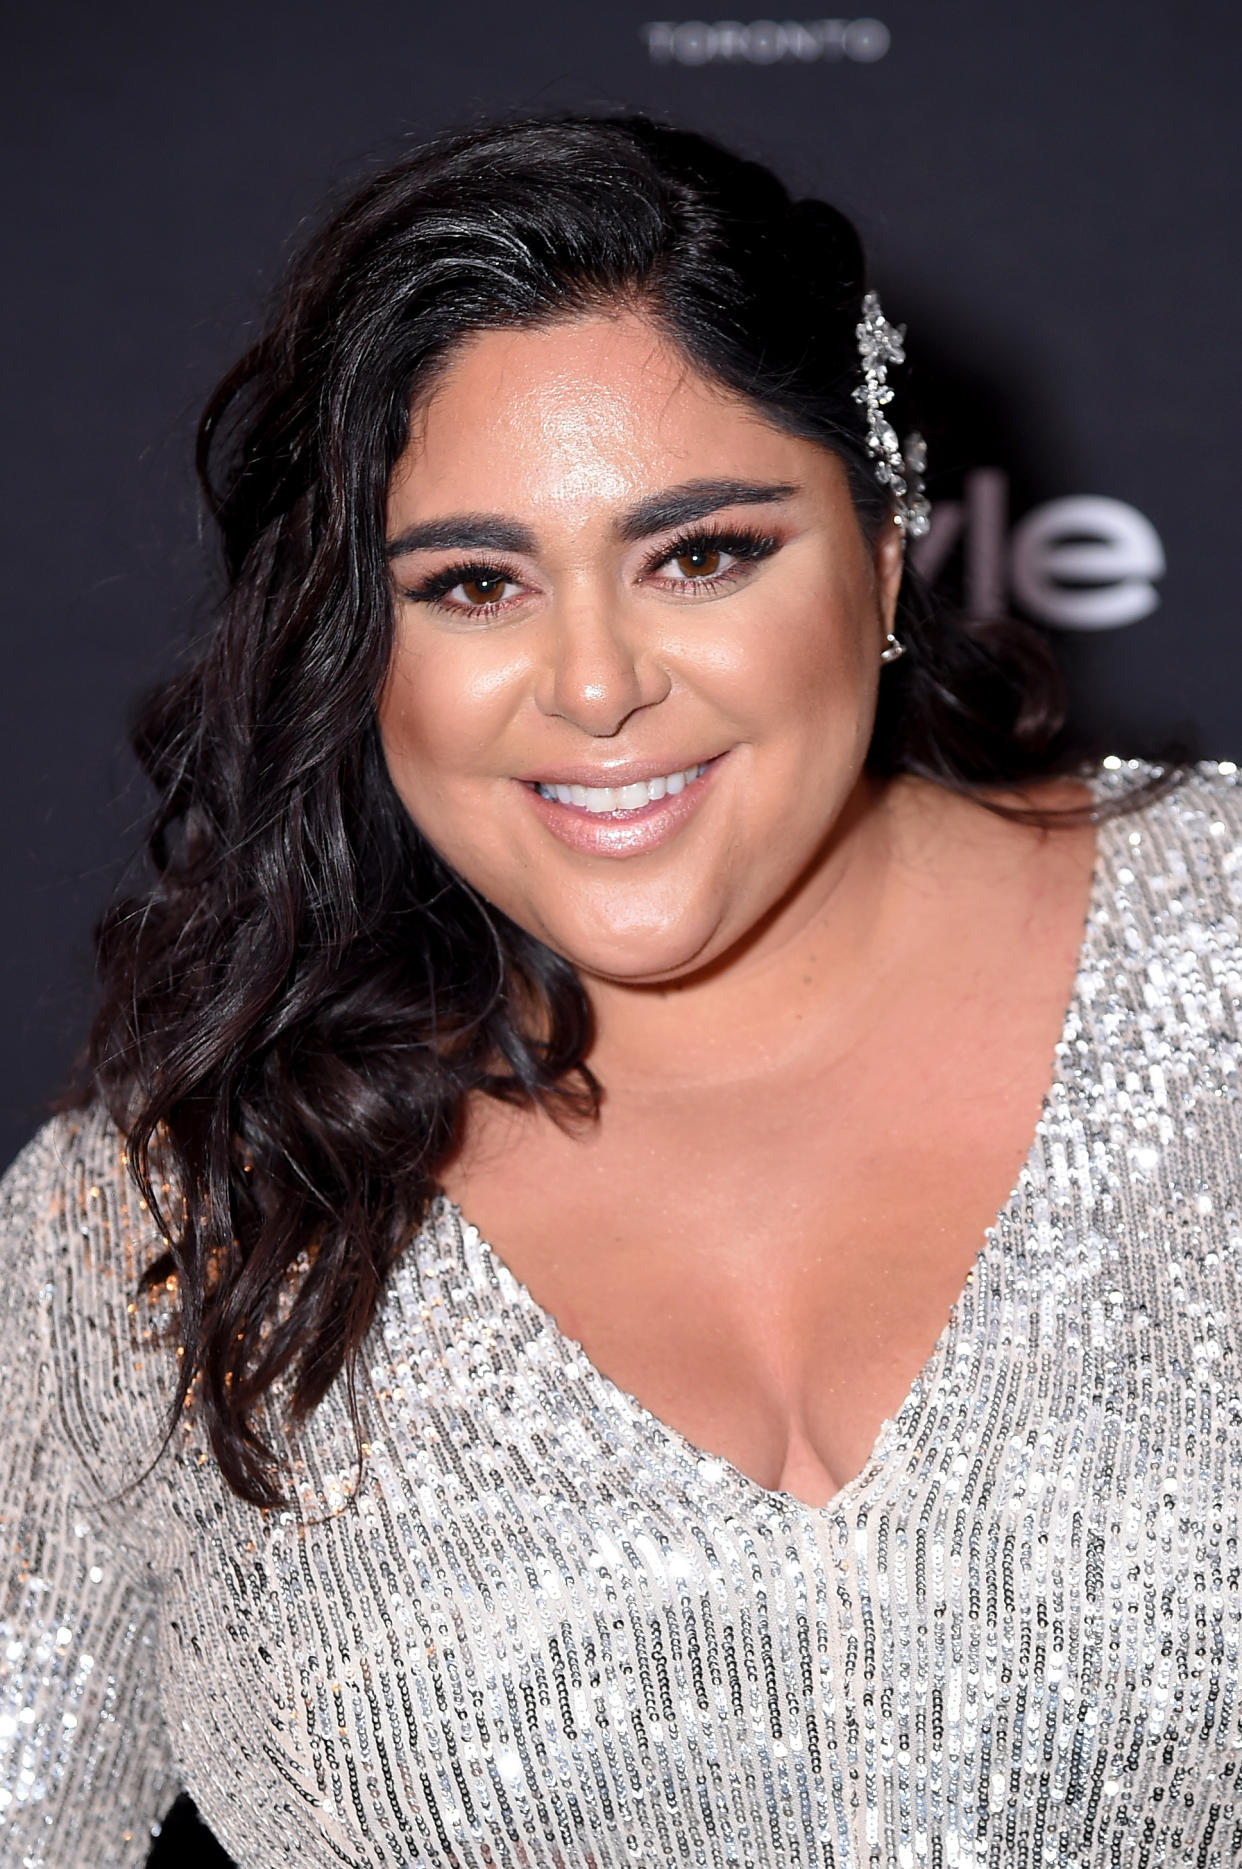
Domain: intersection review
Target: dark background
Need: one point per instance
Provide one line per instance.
(1050, 193)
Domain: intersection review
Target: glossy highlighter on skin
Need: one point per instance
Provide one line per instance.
(637, 639)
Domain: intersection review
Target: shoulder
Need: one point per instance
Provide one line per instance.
(75, 1240)
(69, 1195)
(1180, 806)
(1168, 909)
(1185, 835)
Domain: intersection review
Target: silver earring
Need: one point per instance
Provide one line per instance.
(892, 648)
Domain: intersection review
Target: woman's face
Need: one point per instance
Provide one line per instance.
(636, 648)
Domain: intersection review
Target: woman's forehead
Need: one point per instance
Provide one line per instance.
(589, 415)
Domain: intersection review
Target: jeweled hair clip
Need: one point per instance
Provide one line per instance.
(897, 467)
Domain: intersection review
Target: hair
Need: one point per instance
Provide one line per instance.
(302, 995)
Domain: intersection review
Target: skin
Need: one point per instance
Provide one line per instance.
(822, 1066)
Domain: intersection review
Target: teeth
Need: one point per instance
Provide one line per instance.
(601, 799)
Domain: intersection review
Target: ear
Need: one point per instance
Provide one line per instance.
(889, 562)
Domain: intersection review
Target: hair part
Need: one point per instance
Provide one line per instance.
(298, 1004)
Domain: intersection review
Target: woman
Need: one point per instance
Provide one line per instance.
(686, 1177)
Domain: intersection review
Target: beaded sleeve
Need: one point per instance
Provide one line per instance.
(85, 1768)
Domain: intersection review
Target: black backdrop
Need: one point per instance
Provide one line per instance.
(1050, 193)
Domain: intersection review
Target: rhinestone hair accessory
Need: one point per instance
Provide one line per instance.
(901, 470)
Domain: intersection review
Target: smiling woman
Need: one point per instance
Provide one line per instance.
(717, 637)
(577, 834)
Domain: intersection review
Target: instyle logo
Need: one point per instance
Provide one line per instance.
(1084, 562)
(764, 41)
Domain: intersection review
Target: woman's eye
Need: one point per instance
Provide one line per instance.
(700, 561)
(481, 587)
(712, 560)
(469, 590)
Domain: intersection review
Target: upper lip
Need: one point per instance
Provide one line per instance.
(625, 772)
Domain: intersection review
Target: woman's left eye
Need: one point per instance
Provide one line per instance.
(710, 560)
(700, 561)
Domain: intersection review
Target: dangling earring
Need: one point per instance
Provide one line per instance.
(892, 648)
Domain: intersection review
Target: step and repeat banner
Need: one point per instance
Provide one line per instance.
(1050, 194)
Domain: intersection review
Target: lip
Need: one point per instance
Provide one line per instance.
(622, 772)
(619, 833)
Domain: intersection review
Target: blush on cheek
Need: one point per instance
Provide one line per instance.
(421, 741)
(819, 664)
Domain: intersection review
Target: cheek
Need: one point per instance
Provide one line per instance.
(801, 666)
(439, 717)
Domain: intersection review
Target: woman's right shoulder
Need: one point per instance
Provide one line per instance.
(76, 1238)
(69, 1195)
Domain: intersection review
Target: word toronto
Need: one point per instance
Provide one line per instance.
(764, 41)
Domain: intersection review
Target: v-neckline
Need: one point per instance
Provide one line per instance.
(896, 1429)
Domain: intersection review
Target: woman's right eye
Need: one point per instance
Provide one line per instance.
(482, 587)
(472, 590)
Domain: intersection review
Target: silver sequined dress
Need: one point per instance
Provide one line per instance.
(551, 1634)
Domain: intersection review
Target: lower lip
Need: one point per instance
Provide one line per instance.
(622, 833)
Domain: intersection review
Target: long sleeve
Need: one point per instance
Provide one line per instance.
(85, 1766)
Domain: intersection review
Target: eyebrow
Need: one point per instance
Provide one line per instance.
(695, 499)
(465, 532)
(659, 512)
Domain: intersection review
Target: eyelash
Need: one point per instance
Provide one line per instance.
(747, 547)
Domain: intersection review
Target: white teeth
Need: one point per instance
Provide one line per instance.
(602, 799)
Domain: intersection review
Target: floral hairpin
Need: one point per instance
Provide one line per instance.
(900, 469)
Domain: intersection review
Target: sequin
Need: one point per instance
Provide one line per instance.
(547, 1633)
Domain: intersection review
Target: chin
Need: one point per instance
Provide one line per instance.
(634, 956)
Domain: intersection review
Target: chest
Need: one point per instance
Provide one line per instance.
(769, 1265)
(551, 1632)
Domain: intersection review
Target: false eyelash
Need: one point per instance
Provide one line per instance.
(440, 583)
(748, 546)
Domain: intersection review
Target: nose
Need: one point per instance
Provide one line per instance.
(597, 671)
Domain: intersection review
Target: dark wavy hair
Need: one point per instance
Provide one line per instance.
(302, 996)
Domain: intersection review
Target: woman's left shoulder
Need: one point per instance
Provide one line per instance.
(1186, 823)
